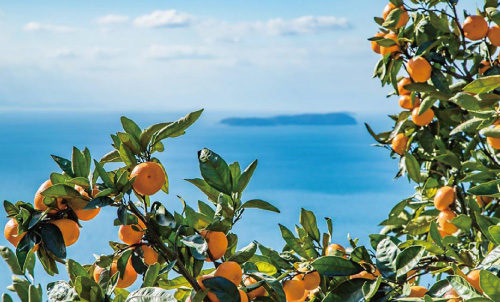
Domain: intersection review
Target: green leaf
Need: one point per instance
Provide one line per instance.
(34, 294)
(387, 252)
(127, 155)
(463, 288)
(490, 284)
(10, 258)
(6, 298)
(224, 289)
(176, 127)
(293, 242)
(151, 275)
(79, 164)
(333, 266)
(53, 240)
(490, 132)
(412, 167)
(408, 259)
(483, 85)
(111, 157)
(462, 221)
(486, 189)
(493, 13)
(308, 221)
(147, 134)
(439, 81)
(260, 204)
(197, 245)
(201, 184)
(491, 258)
(348, 291)
(64, 164)
(61, 191)
(245, 177)
(129, 141)
(370, 288)
(75, 269)
(215, 171)
(99, 202)
(103, 175)
(130, 127)
(244, 254)
(469, 126)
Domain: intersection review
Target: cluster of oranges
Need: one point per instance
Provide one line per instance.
(443, 199)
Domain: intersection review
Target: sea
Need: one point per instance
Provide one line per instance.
(332, 170)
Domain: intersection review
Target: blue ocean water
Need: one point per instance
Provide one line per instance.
(333, 171)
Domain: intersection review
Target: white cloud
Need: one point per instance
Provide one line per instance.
(105, 53)
(37, 27)
(166, 18)
(62, 53)
(177, 52)
(112, 19)
(301, 25)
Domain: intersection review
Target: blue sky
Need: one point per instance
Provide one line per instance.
(225, 56)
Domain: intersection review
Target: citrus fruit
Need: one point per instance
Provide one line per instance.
(475, 28)
(399, 143)
(419, 69)
(423, 119)
(149, 178)
(231, 271)
(444, 220)
(217, 243)
(69, 229)
(444, 198)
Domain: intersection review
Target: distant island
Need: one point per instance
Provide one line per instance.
(320, 119)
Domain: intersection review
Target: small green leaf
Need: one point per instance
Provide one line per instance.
(483, 85)
(260, 204)
(333, 266)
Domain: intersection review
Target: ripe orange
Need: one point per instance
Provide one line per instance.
(475, 28)
(258, 292)
(335, 250)
(401, 86)
(231, 271)
(423, 119)
(403, 19)
(419, 69)
(484, 66)
(375, 45)
(69, 229)
(124, 281)
(294, 289)
(365, 275)
(444, 198)
(453, 295)
(150, 255)
(444, 220)
(82, 214)
(311, 280)
(211, 296)
(417, 292)
(243, 296)
(443, 233)
(149, 178)
(128, 235)
(399, 143)
(406, 103)
(39, 205)
(390, 49)
(483, 200)
(217, 243)
(304, 297)
(494, 35)
(10, 232)
(473, 279)
(494, 142)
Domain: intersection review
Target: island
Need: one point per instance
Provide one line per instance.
(312, 119)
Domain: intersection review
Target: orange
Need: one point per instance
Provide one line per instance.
(10, 232)
(443, 233)
(403, 18)
(494, 142)
(483, 200)
(406, 103)
(335, 250)
(69, 229)
(390, 49)
(304, 297)
(258, 292)
(417, 292)
(128, 235)
(452, 294)
(484, 66)
(444, 198)
(444, 220)
(149, 178)
(124, 281)
(423, 119)
(494, 35)
(375, 45)
(39, 205)
(150, 255)
(475, 28)
(243, 296)
(399, 143)
(294, 289)
(473, 279)
(419, 69)
(211, 296)
(231, 271)
(366, 275)
(311, 280)
(82, 214)
(217, 243)
(401, 86)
